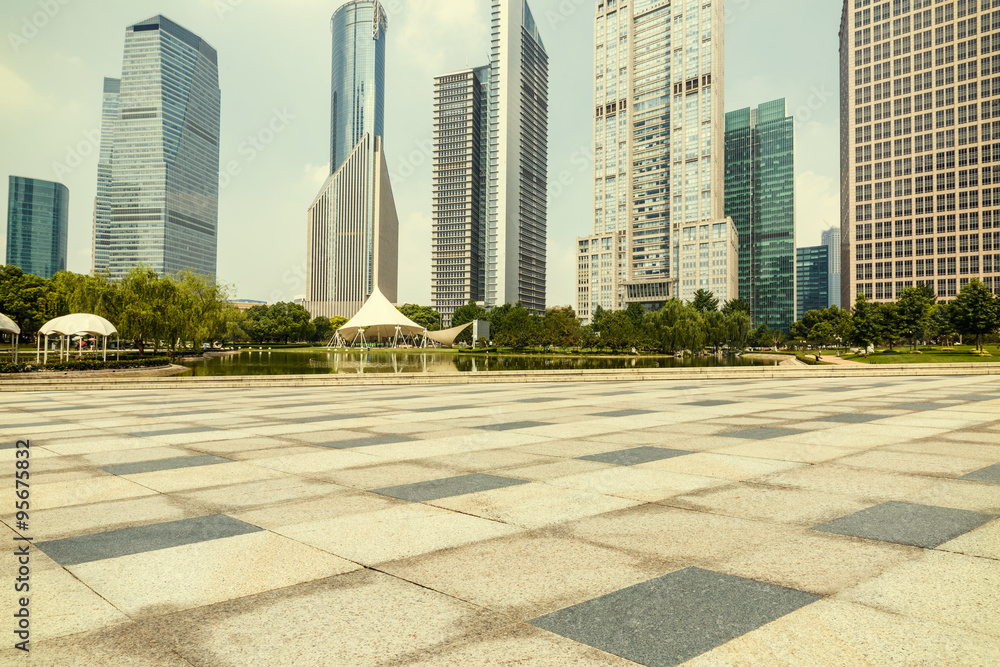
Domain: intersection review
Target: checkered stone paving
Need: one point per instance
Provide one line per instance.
(751, 522)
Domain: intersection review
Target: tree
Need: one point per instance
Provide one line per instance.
(560, 327)
(145, 301)
(941, 324)
(704, 301)
(636, 313)
(891, 323)
(470, 312)
(738, 328)
(865, 328)
(322, 329)
(914, 309)
(976, 312)
(519, 328)
(425, 316)
(27, 299)
(716, 330)
(735, 306)
(822, 334)
(617, 330)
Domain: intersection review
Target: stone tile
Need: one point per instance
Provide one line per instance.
(761, 433)
(367, 441)
(983, 542)
(989, 474)
(840, 634)
(851, 418)
(907, 523)
(316, 462)
(59, 522)
(635, 456)
(721, 466)
(674, 618)
(98, 489)
(262, 493)
(194, 575)
(782, 450)
(381, 475)
(920, 407)
(641, 484)
(511, 426)
(163, 464)
(315, 509)
(186, 479)
(186, 430)
(710, 403)
(947, 588)
(127, 541)
(913, 463)
(873, 486)
(960, 494)
(447, 487)
(623, 413)
(121, 644)
(134, 456)
(778, 504)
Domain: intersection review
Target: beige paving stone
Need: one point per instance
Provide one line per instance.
(987, 453)
(194, 575)
(461, 444)
(980, 436)
(636, 483)
(872, 486)
(681, 536)
(529, 575)
(961, 494)
(913, 463)
(83, 446)
(315, 509)
(557, 468)
(316, 462)
(572, 449)
(382, 475)
(184, 479)
(394, 533)
(948, 588)
(837, 437)
(136, 455)
(720, 466)
(225, 448)
(267, 492)
(80, 475)
(283, 451)
(121, 644)
(59, 604)
(534, 505)
(771, 503)
(486, 460)
(838, 634)
(77, 492)
(59, 522)
(983, 542)
(784, 449)
(360, 618)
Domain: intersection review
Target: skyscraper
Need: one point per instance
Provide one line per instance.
(352, 229)
(158, 176)
(760, 198)
(918, 110)
(37, 226)
(659, 230)
(831, 239)
(813, 279)
(458, 234)
(517, 158)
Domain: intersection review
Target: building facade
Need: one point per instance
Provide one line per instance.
(658, 160)
(517, 158)
(918, 202)
(760, 198)
(459, 191)
(831, 239)
(352, 231)
(37, 226)
(158, 177)
(813, 279)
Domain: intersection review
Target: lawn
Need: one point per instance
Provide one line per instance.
(930, 355)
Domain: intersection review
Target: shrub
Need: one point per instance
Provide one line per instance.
(88, 365)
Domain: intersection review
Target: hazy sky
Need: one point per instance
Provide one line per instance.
(274, 58)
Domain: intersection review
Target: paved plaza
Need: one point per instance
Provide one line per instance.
(733, 522)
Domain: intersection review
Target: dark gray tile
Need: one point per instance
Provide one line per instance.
(671, 619)
(448, 487)
(173, 431)
(832, 389)
(181, 414)
(540, 399)
(711, 403)
(988, 474)
(65, 408)
(441, 408)
(127, 541)
(614, 393)
(851, 418)
(907, 523)
(764, 433)
(510, 426)
(976, 397)
(367, 442)
(635, 456)
(320, 418)
(26, 427)
(164, 464)
(920, 406)
(776, 397)
(623, 413)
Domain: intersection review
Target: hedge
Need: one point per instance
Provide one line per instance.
(88, 365)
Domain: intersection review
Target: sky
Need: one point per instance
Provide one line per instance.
(274, 61)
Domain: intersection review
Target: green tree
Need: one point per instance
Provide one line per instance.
(470, 312)
(941, 324)
(865, 328)
(618, 331)
(322, 329)
(704, 301)
(144, 312)
(735, 306)
(27, 299)
(518, 329)
(976, 312)
(914, 309)
(891, 323)
(636, 313)
(560, 327)
(425, 316)
(716, 329)
(738, 329)
(822, 334)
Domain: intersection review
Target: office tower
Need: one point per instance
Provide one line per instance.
(517, 158)
(102, 204)
(458, 224)
(158, 177)
(917, 165)
(831, 239)
(37, 226)
(659, 226)
(760, 198)
(352, 229)
(813, 279)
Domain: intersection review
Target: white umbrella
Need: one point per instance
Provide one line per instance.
(8, 325)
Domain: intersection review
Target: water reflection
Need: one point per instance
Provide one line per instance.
(323, 362)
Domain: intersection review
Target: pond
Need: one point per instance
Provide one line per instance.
(322, 362)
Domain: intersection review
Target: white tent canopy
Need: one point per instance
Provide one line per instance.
(448, 336)
(68, 326)
(8, 325)
(378, 319)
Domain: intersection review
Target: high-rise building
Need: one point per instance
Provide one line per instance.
(37, 226)
(352, 241)
(831, 239)
(517, 158)
(458, 223)
(158, 178)
(760, 198)
(813, 279)
(659, 226)
(918, 206)
(101, 249)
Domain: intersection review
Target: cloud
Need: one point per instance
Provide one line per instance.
(17, 93)
(817, 204)
(432, 32)
(316, 175)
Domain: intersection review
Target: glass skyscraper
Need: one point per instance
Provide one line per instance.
(37, 226)
(831, 239)
(658, 226)
(760, 198)
(158, 176)
(813, 279)
(352, 239)
(357, 95)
